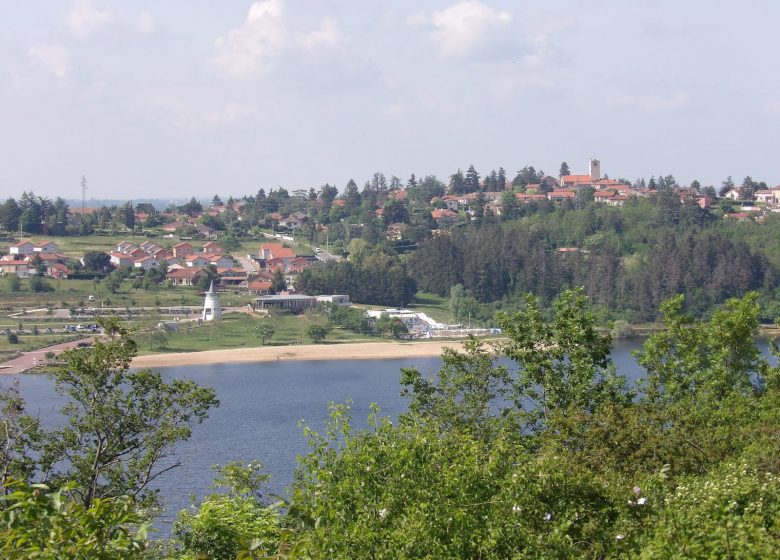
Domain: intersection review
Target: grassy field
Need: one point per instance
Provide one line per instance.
(29, 342)
(238, 331)
(75, 293)
(432, 305)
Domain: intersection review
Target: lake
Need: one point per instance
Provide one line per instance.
(261, 406)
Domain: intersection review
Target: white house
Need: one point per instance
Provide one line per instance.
(145, 263)
(24, 247)
(121, 259)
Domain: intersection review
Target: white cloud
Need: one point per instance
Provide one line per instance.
(55, 58)
(266, 41)
(328, 36)
(84, 19)
(506, 85)
(650, 103)
(254, 46)
(145, 22)
(465, 28)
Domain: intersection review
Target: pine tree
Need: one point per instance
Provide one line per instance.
(564, 170)
(472, 180)
(501, 179)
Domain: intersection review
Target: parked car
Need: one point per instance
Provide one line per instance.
(83, 344)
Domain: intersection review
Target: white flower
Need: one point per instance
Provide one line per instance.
(517, 509)
(641, 501)
(631, 503)
(620, 537)
(547, 516)
(383, 513)
(637, 490)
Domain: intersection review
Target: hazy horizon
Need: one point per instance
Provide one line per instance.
(175, 99)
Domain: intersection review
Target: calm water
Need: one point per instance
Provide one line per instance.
(261, 405)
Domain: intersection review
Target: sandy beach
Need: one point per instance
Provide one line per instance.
(346, 351)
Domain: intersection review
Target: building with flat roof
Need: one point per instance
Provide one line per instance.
(294, 303)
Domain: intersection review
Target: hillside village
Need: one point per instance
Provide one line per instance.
(191, 246)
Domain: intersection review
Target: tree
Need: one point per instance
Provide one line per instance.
(129, 215)
(501, 179)
(122, 426)
(471, 181)
(12, 283)
(573, 370)
(39, 285)
(39, 522)
(564, 170)
(264, 331)
(726, 186)
(278, 282)
(9, 215)
(225, 524)
(393, 327)
(20, 437)
(316, 332)
(97, 261)
(510, 208)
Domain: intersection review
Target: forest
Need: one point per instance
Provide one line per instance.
(547, 453)
(627, 259)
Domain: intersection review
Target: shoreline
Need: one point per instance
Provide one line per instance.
(299, 352)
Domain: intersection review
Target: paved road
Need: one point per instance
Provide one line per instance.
(29, 360)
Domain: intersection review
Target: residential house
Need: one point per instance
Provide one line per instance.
(220, 261)
(145, 263)
(22, 268)
(57, 270)
(270, 251)
(172, 227)
(125, 247)
(444, 216)
(212, 248)
(732, 194)
(766, 196)
(121, 259)
(46, 247)
(259, 286)
(184, 276)
(232, 276)
(559, 195)
(24, 247)
(526, 198)
(197, 261)
(183, 250)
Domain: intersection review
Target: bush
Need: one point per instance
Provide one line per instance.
(12, 337)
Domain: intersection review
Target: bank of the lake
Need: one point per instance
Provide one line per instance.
(300, 352)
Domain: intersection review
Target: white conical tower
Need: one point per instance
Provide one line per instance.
(211, 308)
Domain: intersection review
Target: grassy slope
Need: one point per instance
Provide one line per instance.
(237, 331)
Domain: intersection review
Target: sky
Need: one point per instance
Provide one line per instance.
(196, 97)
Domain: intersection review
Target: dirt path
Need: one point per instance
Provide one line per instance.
(30, 359)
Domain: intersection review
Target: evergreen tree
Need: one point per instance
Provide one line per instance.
(472, 180)
(564, 170)
(457, 183)
(501, 179)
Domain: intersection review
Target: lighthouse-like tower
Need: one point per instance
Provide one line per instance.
(211, 309)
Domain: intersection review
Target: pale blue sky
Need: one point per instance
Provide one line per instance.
(192, 97)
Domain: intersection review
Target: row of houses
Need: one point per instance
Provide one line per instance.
(149, 254)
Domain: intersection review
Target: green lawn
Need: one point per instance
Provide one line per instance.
(75, 293)
(432, 305)
(238, 331)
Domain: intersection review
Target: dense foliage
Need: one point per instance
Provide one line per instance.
(547, 454)
(628, 259)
